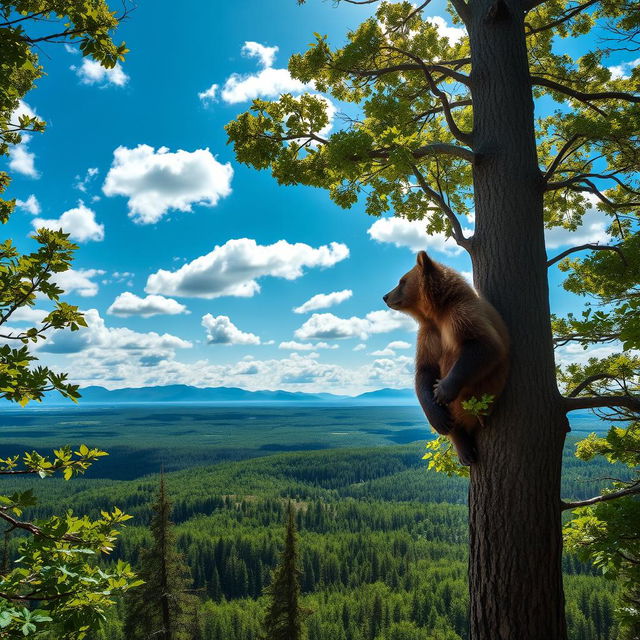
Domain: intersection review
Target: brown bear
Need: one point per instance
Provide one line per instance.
(462, 348)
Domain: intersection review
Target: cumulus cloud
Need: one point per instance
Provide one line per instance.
(233, 268)
(109, 340)
(220, 330)
(79, 222)
(360, 347)
(79, 281)
(326, 326)
(265, 55)
(156, 182)
(593, 229)
(129, 304)
(411, 234)
(623, 70)
(452, 34)
(92, 72)
(82, 183)
(267, 82)
(210, 94)
(21, 159)
(31, 205)
(324, 300)
(292, 345)
(28, 315)
(391, 348)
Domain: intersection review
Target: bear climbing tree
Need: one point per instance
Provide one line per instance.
(462, 349)
(445, 131)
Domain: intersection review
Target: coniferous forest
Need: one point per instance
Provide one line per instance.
(381, 547)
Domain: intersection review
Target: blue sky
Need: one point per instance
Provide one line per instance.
(134, 163)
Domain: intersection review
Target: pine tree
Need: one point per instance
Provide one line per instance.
(284, 616)
(162, 608)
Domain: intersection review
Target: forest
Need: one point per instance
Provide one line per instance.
(382, 543)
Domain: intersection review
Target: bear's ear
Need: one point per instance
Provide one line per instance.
(424, 261)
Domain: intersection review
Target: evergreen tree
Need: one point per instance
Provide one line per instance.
(284, 615)
(162, 608)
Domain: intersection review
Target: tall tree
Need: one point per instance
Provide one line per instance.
(444, 130)
(284, 619)
(162, 609)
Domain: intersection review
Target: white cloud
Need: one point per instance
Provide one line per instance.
(22, 160)
(28, 315)
(399, 344)
(129, 304)
(266, 55)
(210, 94)
(265, 83)
(79, 280)
(593, 229)
(92, 72)
(324, 300)
(292, 345)
(79, 222)
(452, 34)
(83, 183)
(109, 340)
(623, 70)
(391, 348)
(158, 181)
(360, 347)
(31, 205)
(220, 330)
(234, 268)
(411, 234)
(326, 326)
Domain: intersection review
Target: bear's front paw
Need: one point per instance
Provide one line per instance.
(443, 393)
(440, 419)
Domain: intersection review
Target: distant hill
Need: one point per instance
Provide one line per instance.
(185, 393)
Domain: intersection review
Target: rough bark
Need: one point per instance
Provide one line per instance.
(515, 573)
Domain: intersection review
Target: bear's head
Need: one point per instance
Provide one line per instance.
(412, 293)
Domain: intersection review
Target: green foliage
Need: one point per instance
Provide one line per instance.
(378, 554)
(57, 567)
(284, 619)
(478, 406)
(87, 23)
(161, 608)
(606, 532)
(22, 278)
(57, 563)
(443, 458)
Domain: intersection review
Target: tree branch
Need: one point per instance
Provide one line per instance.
(583, 96)
(407, 66)
(627, 491)
(435, 148)
(462, 9)
(456, 227)
(599, 402)
(32, 528)
(587, 381)
(457, 133)
(561, 155)
(565, 16)
(583, 247)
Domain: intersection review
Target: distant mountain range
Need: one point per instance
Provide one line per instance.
(185, 393)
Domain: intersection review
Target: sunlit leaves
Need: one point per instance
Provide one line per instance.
(442, 457)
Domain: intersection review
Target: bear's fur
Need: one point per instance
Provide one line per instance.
(462, 348)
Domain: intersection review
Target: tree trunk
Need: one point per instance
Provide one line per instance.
(515, 573)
